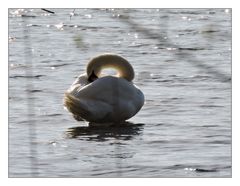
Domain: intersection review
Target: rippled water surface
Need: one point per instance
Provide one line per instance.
(182, 61)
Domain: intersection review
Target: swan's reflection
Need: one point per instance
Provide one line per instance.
(123, 131)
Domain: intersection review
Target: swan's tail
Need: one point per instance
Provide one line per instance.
(74, 105)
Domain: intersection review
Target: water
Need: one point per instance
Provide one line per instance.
(182, 60)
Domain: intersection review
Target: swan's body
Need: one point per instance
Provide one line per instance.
(104, 99)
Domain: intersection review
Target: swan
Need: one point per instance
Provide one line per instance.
(99, 98)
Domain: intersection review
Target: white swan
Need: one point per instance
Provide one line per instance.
(104, 99)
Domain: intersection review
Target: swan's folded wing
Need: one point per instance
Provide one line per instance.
(90, 110)
(74, 105)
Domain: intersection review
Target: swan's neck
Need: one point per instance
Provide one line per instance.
(101, 62)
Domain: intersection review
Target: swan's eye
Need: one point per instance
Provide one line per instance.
(92, 77)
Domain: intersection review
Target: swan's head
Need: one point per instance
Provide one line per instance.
(121, 65)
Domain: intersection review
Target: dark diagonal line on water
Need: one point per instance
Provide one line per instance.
(181, 53)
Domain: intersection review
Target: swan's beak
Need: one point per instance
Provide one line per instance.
(92, 77)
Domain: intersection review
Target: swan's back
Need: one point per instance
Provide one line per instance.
(108, 99)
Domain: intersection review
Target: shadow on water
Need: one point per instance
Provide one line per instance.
(123, 131)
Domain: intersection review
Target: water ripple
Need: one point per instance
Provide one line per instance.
(26, 76)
